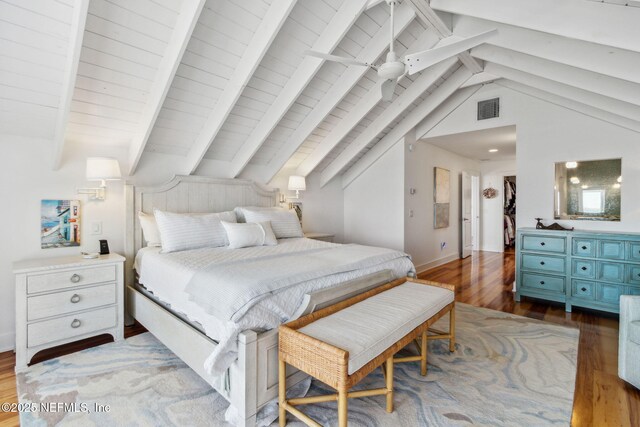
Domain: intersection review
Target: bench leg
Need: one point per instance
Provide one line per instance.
(390, 384)
(282, 392)
(342, 406)
(452, 329)
(423, 354)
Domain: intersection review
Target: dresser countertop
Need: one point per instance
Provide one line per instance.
(71, 261)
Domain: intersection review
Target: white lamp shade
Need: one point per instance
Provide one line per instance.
(99, 168)
(297, 183)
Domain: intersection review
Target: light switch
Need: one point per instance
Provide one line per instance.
(96, 228)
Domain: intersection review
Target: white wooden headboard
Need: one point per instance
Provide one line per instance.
(187, 194)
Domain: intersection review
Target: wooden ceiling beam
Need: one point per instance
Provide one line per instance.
(76, 35)
(267, 31)
(425, 80)
(426, 40)
(180, 36)
(331, 36)
(436, 107)
(431, 19)
(600, 23)
(376, 46)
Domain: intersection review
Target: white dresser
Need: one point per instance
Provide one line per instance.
(325, 237)
(64, 299)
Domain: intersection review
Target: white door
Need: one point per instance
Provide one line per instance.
(467, 234)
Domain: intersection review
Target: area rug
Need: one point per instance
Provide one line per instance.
(507, 371)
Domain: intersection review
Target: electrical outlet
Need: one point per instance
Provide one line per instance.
(96, 228)
(410, 213)
(443, 245)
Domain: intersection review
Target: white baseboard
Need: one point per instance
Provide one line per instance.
(435, 263)
(7, 341)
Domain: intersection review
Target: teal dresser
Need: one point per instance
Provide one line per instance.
(582, 268)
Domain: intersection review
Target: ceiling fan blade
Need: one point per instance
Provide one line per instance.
(388, 88)
(336, 58)
(419, 61)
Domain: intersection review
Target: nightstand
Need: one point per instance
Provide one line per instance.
(325, 237)
(65, 299)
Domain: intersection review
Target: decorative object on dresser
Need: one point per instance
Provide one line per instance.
(59, 223)
(297, 184)
(554, 226)
(629, 343)
(590, 269)
(325, 237)
(64, 299)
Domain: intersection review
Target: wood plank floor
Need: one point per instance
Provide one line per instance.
(484, 280)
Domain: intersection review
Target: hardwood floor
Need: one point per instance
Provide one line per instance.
(601, 398)
(483, 280)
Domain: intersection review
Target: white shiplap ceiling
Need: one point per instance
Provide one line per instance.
(228, 82)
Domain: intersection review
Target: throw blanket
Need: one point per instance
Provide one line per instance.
(228, 290)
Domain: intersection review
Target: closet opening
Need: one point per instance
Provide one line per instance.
(509, 212)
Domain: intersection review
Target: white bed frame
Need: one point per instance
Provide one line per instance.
(252, 380)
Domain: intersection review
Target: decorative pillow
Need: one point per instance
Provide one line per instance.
(240, 211)
(285, 223)
(149, 229)
(180, 232)
(249, 234)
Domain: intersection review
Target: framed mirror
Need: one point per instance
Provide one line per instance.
(588, 190)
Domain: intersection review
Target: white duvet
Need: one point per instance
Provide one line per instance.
(167, 276)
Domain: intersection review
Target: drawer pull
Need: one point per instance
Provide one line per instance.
(76, 323)
(584, 268)
(584, 248)
(583, 289)
(541, 262)
(542, 282)
(75, 298)
(75, 278)
(542, 243)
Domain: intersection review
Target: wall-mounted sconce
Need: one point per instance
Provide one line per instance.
(298, 184)
(101, 169)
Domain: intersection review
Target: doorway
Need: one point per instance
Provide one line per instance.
(470, 214)
(509, 214)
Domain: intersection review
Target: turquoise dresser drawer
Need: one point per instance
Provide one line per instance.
(611, 249)
(583, 289)
(632, 290)
(633, 273)
(584, 247)
(610, 271)
(633, 252)
(540, 281)
(608, 293)
(583, 268)
(544, 244)
(542, 263)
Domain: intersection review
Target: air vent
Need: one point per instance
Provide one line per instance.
(489, 109)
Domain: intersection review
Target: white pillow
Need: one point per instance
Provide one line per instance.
(180, 232)
(149, 229)
(249, 234)
(240, 211)
(285, 223)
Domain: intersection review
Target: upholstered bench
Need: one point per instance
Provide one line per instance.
(341, 344)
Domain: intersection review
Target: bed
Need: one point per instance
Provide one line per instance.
(242, 353)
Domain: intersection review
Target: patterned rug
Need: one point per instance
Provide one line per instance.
(507, 371)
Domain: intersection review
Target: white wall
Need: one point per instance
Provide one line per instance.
(422, 241)
(27, 178)
(374, 203)
(492, 210)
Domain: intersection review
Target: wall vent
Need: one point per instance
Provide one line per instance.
(489, 109)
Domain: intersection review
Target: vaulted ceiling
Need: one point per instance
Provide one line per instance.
(228, 83)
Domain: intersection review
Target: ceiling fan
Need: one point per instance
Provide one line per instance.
(394, 68)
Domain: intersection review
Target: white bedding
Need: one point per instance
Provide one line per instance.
(167, 275)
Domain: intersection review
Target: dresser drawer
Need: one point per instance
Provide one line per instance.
(70, 278)
(583, 289)
(632, 290)
(610, 271)
(543, 244)
(540, 281)
(41, 306)
(583, 268)
(543, 263)
(48, 331)
(633, 273)
(611, 249)
(608, 293)
(583, 247)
